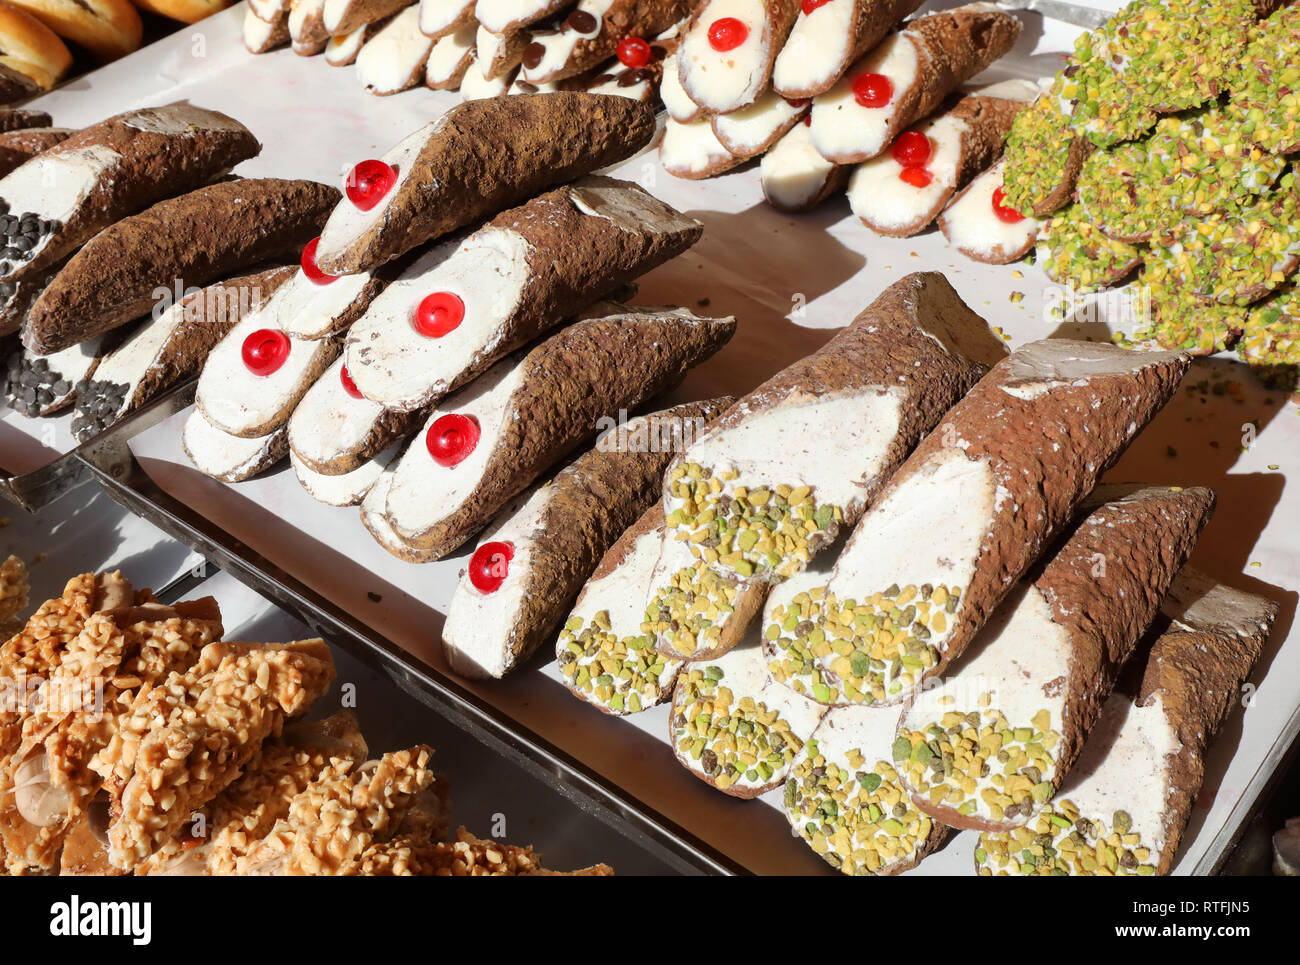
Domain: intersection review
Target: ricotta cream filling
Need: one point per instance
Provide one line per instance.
(843, 128)
(54, 186)
(474, 86)
(447, 58)
(679, 104)
(307, 310)
(328, 422)
(132, 360)
(692, 147)
(373, 509)
(969, 223)
(816, 49)
(343, 48)
(257, 32)
(722, 81)
(218, 453)
(880, 197)
(437, 16)
(794, 172)
(750, 129)
(395, 365)
(558, 47)
(499, 15)
(347, 489)
(394, 56)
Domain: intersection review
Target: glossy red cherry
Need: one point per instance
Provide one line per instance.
(452, 438)
(873, 90)
(490, 565)
(810, 5)
(309, 265)
(633, 52)
(911, 149)
(726, 34)
(265, 351)
(798, 103)
(1005, 212)
(438, 314)
(349, 386)
(368, 182)
(916, 177)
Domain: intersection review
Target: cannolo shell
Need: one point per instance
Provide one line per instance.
(20, 145)
(17, 118)
(345, 16)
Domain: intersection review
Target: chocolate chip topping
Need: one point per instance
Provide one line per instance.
(582, 22)
(533, 55)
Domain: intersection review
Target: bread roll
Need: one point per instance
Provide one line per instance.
(31, 48)
(107, 28)
(186, 11)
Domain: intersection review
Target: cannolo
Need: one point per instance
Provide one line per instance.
(167, 350)
(678, 103)
(374, 509)
(507, 16)
(50, 779)
(230, 458)
(15, 85)
(342, 489)
(1191, 164)
(827, 37)
(206, 234)
(17, 296)
(845, 799)
(1265, 101)
(1074, 252)
(794, 175)
(603, 654)
(593, 32)
(183, 742)
(1270, 339)
(450, 59)
(1237, 257)
(336, 430)
(1180, 320)
(334, 820)
(638, 69)
(256, 375)
(269, 10)
(1129, 800)
(735, 728)
(728, 49)
(441, 17)
(498, 54)
(307, 27)
(45, 385)
(435, 328)
(241, 815)
(342, 50)
(21, 118)
(108, 171)
(751, 130)
(346, 16)
(488, 442)
(394, 60)
(1044, 157)
(692, 150)
(980, 223)
(906, 78)
(766, 487)
(902, 191)
(963, 518)
(995, 738)
(23, 144)
(475, 87)
(436, 180)
(262, 36)
(543, 548)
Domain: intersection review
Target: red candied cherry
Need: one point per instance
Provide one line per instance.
(368, 182)
(490, 565)
(810, 5)
(726, 34)
(873, 90)
(265, 351)
(916, 177)
(349, 386)
(1005, 212)
(438, 314)
(911, 149)
(798, 103)
(633, 52)
(452, 438)
(309, 267)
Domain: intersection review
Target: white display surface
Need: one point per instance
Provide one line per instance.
(789, 280)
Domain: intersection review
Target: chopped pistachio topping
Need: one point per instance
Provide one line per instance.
(740, 531)
(859, 651)
(623, 674)
(1270, 342)
(1266, 92)
(1037, 152)
(1231, 257)
(979, 763)
(689, 614)
(1183, 321)
(1074, 252)
(1058, 841)
(853, 812)
(736, 741)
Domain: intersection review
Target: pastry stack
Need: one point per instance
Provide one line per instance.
(145, 743)
(130, 250)
(449, 347)
(886, 589)
(484, 49)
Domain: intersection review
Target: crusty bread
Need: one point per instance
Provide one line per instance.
(107, 28)
(31, 48)
(186, 11)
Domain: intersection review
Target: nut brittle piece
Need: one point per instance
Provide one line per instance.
(13, 588)
(465, 857)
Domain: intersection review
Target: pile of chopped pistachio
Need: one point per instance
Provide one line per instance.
(1058, 841)
(736, 741)
(741, 531)
(622, 674)
(854, 813)
(979, 763)
(858, 651)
